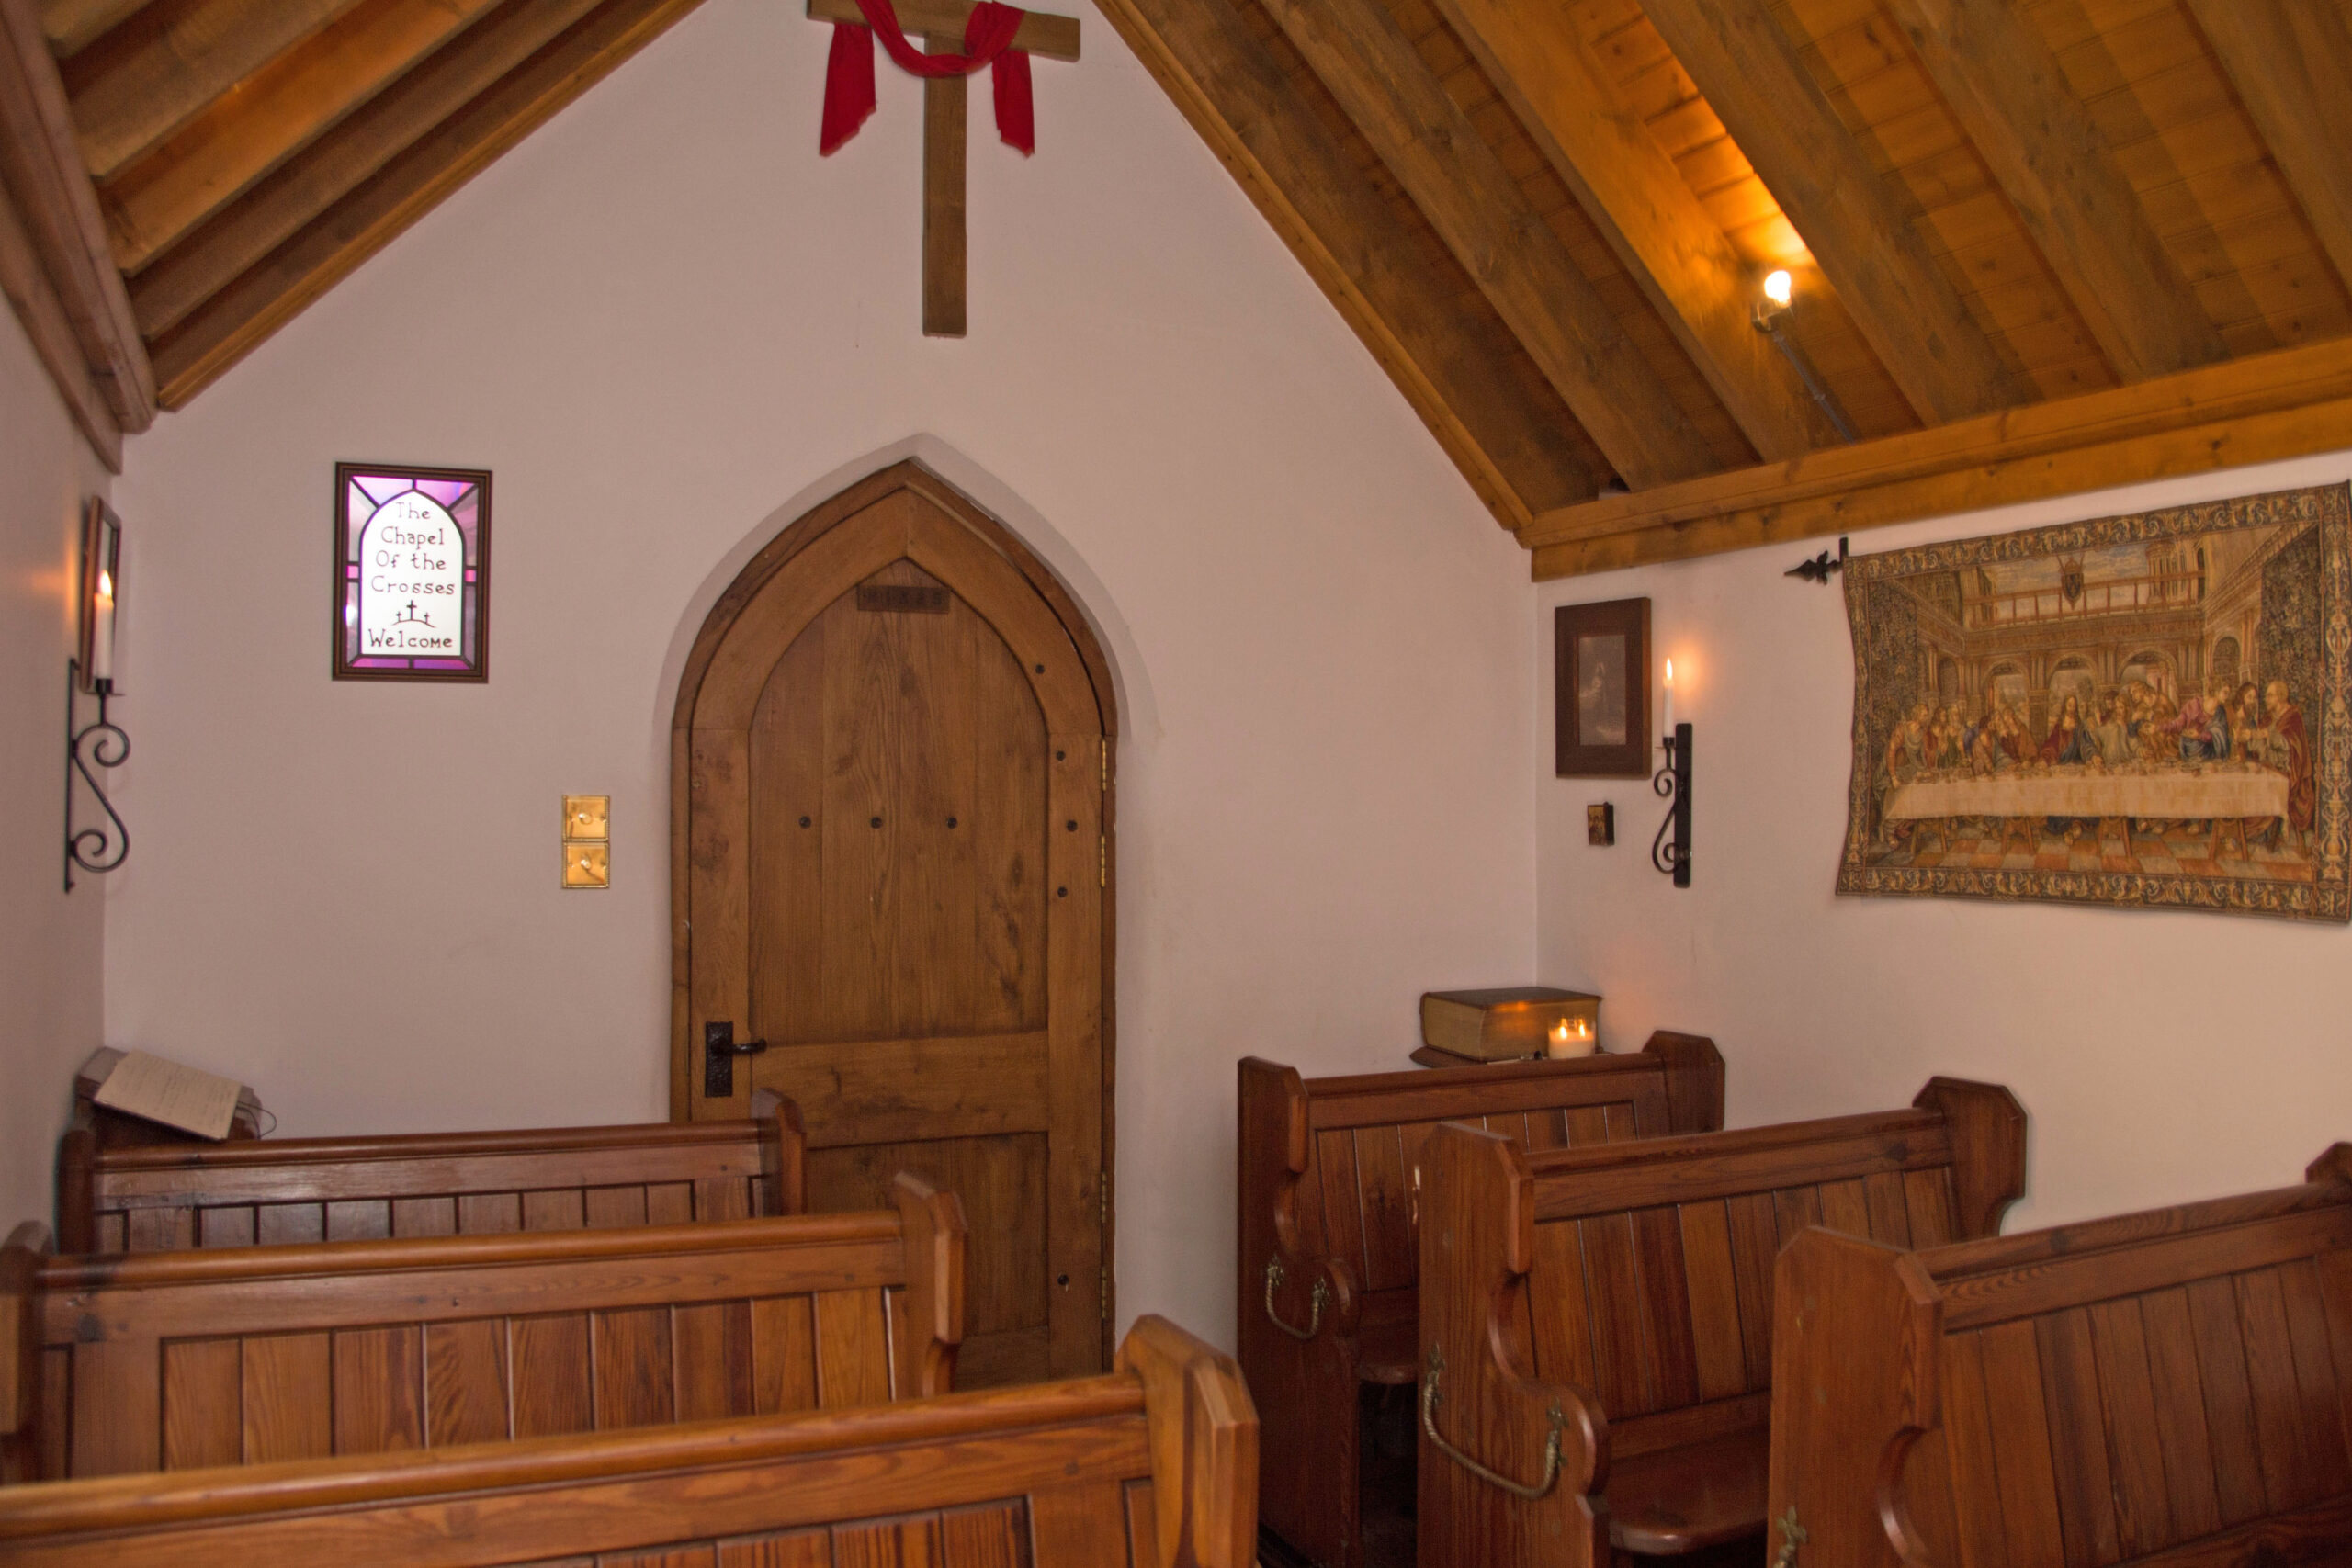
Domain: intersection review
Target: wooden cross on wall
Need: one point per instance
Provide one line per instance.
(940, 24)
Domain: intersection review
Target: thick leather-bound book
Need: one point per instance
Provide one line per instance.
(1511, 1024)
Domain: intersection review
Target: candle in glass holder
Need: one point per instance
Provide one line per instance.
(1666, 726)
(102, 628)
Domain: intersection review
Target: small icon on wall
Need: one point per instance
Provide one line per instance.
(1600, 824)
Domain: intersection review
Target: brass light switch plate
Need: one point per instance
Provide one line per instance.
(587, 866)
(587, 818)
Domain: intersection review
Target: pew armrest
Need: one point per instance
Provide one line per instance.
(936, 1237)
(1203, 1437)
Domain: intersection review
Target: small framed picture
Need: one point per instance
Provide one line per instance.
(1600, 660)
(1600, 824)
(412, 573)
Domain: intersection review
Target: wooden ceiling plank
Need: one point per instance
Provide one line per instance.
(1669, 244)
(133, 98)
(233, 323)
(2012, 98)
(1332, 214)
(1460, 184)
(72, 25)
(2291, 64)
(2286, 404)
(292, 102)
(58, 213)
(1899, 298)
(212, 258)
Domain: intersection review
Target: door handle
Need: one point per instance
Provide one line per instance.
(719, 1049)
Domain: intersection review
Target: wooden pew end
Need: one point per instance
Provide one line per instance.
(20, 1261)
(1988, 1129)
(1694, 1081)
(936, 1238)
(783, 1148)
(1204, 1446)
(2334, 1165)
(1496, 1445)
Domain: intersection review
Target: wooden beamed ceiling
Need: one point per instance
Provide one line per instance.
(2041, 246)
(2037, 243)
(230, 160)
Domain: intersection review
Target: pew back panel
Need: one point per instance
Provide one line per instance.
(188, 1360)
(1633, 1284)
(1152, 1467)
(1328, 1183)
(277, 1193)
(2170, 1386)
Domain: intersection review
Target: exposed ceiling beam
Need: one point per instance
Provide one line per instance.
(213, 256)
(55, 343)
(2011, 97)
(2292, 63)
(1896, 293)
(2286, 404)
(942, 23)
(229, 325)
(57, 214)
(1638, 200)
(293, 100)
(140, 85)
(72, 25)
(1344, 231)
(1487, 220)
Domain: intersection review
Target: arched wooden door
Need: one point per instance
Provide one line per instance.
(891, 863)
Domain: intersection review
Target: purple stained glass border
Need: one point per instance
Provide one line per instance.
(360, 489)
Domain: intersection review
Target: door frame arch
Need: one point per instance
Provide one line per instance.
(1094, 698)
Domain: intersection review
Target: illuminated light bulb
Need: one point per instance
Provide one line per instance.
(1778, 287)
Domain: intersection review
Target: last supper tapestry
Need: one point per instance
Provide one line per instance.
(2144, 711)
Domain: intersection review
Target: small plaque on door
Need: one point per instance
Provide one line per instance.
(902, 598)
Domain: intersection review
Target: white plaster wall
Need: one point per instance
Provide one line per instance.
(50, 940)
(669, 328)
(2161, 1056)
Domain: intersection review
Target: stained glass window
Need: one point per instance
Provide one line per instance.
(412, 573)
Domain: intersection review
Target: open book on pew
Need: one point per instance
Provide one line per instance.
(162, 1093)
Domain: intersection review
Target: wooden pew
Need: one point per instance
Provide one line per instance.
(165, 1196)
(1152, 1466)
(1329, 1253)
(180, 1359)
(2167, 1387)
(1596, 1324)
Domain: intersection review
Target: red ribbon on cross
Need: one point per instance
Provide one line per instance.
(987, 40)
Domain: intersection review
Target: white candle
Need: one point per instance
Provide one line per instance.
(1666, 726)
(102, 628)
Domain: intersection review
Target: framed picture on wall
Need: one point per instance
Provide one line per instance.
(412, 573)
(1600, 660)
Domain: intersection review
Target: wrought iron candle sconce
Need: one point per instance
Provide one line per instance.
(100, 743)
(1670, 851)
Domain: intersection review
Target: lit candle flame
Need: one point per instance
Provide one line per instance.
(1669, 671)
(106, 587)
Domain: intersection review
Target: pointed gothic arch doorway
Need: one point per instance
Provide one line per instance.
(890, 860)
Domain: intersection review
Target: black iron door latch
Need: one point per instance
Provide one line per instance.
(719, 1049)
